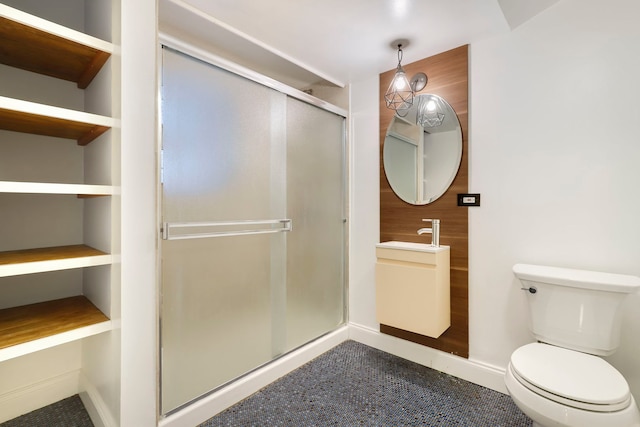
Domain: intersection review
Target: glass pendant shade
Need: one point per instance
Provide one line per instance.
(399, 95)
(430, 114)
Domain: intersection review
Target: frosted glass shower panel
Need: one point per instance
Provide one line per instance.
(223, 164)
(223, 144)
(216, 313)
(315, 203)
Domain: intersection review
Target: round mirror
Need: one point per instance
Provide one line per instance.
(422, 150)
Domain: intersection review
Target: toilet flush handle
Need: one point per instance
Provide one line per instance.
(531, 289)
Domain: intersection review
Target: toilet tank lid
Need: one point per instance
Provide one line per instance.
(578, 278)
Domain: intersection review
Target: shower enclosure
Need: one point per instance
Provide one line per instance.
(253, 234)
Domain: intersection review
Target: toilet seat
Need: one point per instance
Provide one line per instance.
(570, 378)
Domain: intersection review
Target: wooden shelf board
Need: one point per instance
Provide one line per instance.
(19, 350)
(30, 117)
(43, 47)
(81, 190)
(46, 320)
(27, 261)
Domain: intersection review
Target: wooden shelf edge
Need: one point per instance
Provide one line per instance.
(51, 111)
(16, 263)
(92, 69)
(33, 322)
(41, 325)
(20, 350)
(34, 44)
(55, 29)
(30, 117)
(82, 190)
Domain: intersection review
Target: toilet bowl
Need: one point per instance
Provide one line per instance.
(561, 380)
(558, 387)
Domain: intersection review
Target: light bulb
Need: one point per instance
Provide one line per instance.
(400, 81)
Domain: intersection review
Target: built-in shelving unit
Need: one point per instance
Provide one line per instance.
(30, 43)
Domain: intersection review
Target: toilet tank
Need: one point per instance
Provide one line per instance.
(576, 309)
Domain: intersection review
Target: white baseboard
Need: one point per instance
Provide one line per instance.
(467, 369)
(34, 396)
(207, 407)
(94, 403)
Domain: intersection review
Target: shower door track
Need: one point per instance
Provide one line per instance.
(178, 45)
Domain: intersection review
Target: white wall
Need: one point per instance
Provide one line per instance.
(139, 220)
(554, 151)
(364, 203)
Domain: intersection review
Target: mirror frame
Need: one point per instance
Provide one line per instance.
(422, 150)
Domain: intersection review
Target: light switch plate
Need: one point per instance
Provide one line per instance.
(468, 199)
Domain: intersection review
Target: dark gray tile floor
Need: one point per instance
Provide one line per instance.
(350, 385)
(356, 385)
(69, 412)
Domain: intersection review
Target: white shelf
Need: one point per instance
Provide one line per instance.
(43, 47)
(54, 29)
(57, 188)
(54, 340)
(177, 18)
(40, 119)
(53, 112)
(14, 263)
(35, 327)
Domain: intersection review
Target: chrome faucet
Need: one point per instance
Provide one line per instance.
(434, 231)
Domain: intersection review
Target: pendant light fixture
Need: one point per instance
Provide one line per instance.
(430, 113)
(399, 96)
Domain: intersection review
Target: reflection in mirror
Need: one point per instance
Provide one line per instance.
(422, 150)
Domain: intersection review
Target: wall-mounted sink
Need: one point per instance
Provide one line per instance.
(411, 246)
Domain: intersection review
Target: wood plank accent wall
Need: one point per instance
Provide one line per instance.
(448, 77)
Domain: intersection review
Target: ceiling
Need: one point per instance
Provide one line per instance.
(302, 42)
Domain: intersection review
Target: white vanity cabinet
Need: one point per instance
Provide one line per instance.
(413, 287)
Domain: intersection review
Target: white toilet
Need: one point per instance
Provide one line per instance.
(561, 380)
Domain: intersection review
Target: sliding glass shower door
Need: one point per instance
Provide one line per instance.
(253, 226)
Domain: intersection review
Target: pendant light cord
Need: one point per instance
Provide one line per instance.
(399, 56)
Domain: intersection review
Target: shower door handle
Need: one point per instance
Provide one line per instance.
(202, 230)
